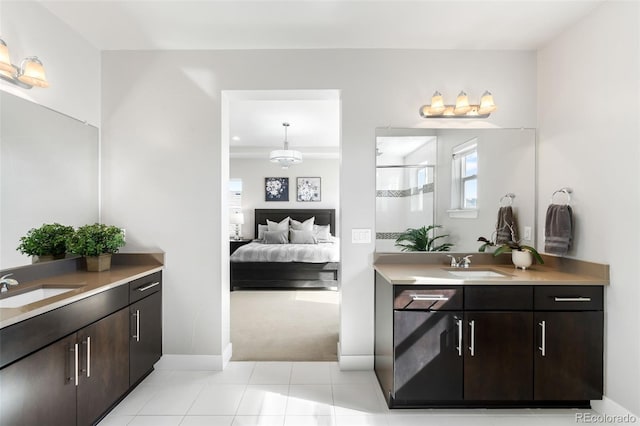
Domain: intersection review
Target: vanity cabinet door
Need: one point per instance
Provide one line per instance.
(568, 360)
(145, 347)
(104, 365)
(427, 356)
(498, 356)
(40, 389)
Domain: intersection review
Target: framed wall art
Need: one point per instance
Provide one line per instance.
(276, 189)
(308, 189)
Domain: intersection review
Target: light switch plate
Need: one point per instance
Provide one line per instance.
(527, 233)
(361, 236)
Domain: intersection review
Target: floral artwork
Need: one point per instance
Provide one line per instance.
(308, 189)
(276, 189)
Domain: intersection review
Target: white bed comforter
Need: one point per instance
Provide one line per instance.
(256, 251)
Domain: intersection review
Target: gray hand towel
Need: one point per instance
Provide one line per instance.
(506, 218)
(558, 231)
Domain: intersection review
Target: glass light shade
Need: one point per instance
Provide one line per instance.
(486, 103)
(285, 157)
(437, 104)
(5, 61)
(32, 72)
(236, 218)
(462, 104)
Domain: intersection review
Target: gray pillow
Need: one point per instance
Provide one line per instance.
(322, 232)
(283, 225)
(302, 237)
(307, 225)
(261, 229)
(276, 237)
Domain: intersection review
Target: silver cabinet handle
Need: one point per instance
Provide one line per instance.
(459, 347)
(472, 348)
(75, 364)
(147, 287)
(434, 297)
(88, 356)
(543, 348)
(573, 299)
(137, 335)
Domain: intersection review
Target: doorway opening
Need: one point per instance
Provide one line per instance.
(284, 231)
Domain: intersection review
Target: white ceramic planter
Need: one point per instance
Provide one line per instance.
(521, 259)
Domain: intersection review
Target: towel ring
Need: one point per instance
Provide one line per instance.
(565, 191)
(507, 197)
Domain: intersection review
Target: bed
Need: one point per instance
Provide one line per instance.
(289, 266)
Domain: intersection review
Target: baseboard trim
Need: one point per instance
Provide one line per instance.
(354, 362)
(190, 362)
(609, 407)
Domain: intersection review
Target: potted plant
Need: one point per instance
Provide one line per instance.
(521, 255)
(417, 239)
(47, 242)
(96, 243)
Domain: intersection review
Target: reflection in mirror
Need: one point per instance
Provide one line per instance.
(48, 172)
(472, 172)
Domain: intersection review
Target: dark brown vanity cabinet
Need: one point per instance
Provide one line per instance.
(488, 345)
(145, 348)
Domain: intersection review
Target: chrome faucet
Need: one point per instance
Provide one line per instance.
(464, 262)
(5, 282)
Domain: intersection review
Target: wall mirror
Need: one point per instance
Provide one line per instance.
(48, 172)
(455, 178)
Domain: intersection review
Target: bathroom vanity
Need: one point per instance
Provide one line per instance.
(69, 358)
(489, 336)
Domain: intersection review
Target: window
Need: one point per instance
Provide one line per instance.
(464, 178)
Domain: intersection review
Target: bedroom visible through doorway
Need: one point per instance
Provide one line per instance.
(284, 224)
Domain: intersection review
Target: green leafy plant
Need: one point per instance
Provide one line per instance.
(511, 246)
(96, 239)
(486, 244)
(418, 239)
(48, 240)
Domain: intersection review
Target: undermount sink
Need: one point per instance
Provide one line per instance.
(476, 273)
(32, 296)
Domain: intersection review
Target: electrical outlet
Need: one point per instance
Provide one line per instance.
(527, 233)
(361, 236)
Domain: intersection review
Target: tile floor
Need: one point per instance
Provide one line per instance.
(293, 394)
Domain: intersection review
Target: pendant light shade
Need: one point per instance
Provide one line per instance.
(437, 104)
(32, 72)
(5, 62)
(486, 103)
(285, 157)
(462, 104)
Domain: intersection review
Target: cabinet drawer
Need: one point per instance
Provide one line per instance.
(568, 298)
(498, 297)
(427, 298)
(143, 287)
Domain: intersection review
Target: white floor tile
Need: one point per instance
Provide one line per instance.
(309, 421)
(362, 420)
(171, 400)
(207, 421)
(426, 420)
(158, 377)
(310, 400)
(115, 420)
(217, 400)
(134, 402)
(351, 376)
(311, 373)
(236, 372)
(357, 399)
(156, 421)
(265, 400)
(258, 421)
(546, 420)
(271, 373)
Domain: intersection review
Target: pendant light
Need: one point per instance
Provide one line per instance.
(285, 157)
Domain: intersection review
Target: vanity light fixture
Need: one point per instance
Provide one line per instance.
(462, 109)
(286, 156)
(30, 72)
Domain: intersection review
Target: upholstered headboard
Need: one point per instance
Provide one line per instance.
(323, 216)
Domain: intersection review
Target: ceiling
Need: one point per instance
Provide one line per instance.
(256, 117)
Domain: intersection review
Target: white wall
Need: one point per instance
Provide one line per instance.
(72, 65)
(163, 158)
(253, 171)
(588, 109)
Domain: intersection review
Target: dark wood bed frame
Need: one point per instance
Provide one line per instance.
(292, 275)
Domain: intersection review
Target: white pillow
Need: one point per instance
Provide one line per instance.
(302, 237)
(276, 237)
(283, 225)
(322, 232)
(261, 229)
(307, 225)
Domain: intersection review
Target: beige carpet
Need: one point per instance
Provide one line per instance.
(293, 325)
